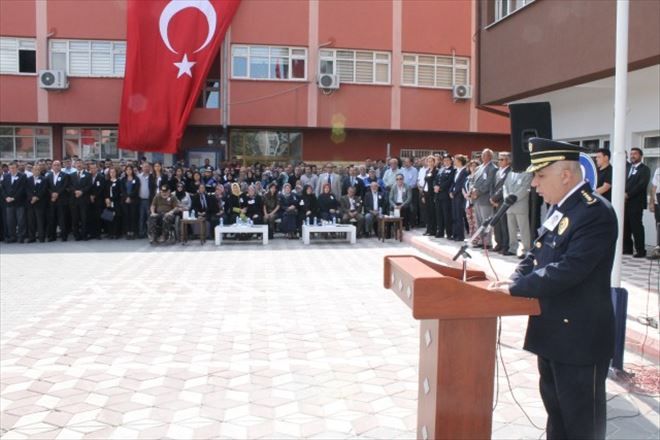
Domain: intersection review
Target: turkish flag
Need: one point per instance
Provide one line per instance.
(170, 48)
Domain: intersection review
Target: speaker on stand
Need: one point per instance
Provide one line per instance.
(529, 120)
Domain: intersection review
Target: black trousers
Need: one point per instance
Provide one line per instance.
(429, 203)
(632, 225)
(36, 221)
(57, 217)
(574, 398)
(657, 218)
(501, 230)
(130, 215)
(443, 215)
(458, 217)
(414, 208)
(79, 211)
(94, 224)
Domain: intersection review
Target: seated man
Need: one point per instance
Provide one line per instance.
(375, 205)
(351, 210)
(206, 206)
(400, 198)
(161, 221)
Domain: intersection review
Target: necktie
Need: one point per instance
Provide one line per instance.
(203, 199)
(329, 179)
(632, 168)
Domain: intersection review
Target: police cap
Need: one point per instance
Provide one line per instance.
(544, 152)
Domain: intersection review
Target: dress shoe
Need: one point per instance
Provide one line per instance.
(507, 253)
(627, 252)
(11, 240)
(521, 256)
(51, 239)
(32, 240)
(64, 239)
(497, 249)
(640, 254)
(427, 233)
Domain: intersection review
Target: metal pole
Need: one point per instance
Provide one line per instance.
(619, 135)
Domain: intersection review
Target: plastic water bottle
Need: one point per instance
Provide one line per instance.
(222, 221)
(192, 214)
(249, 222)
(314, 221)
(334, 220)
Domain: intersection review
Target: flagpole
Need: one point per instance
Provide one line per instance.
(619, 134)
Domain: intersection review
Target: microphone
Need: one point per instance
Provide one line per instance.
(510, 200)
(487, 225)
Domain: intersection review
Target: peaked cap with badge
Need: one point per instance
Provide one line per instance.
(544, 152)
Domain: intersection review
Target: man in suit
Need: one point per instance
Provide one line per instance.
(517, 217)
(332, 178)
(146, 196)
(375, 205)
(637, 183)
(443, 182)
(501, 229)
(482, 190)
(401, 198)
(568, 270)
(58, 190)
(37, 204)
(353, 180)
(351, 210)
(13, 193)
(457, 199)
(81, 184)
(97, 203)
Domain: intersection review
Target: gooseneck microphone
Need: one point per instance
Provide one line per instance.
(494, 219)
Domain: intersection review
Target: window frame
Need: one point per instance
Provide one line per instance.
(207, 90)
(497, 8)
(454, 67)
(89, 51)
(18, 50)
(290, 57)
(34, 145)
(374, 60)
(123, 154)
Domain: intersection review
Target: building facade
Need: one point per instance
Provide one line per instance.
(563, 53)
(397, 64)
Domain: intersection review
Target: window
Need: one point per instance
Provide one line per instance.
(25, 143)
(504, 8)
(268, 62)
(93, 143)
(210, 96)
(265, 145)
(88, 57)
(651, 148)
(436, 71)
(18, 55)
(356, 66)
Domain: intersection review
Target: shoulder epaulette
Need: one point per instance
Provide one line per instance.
(588, 198)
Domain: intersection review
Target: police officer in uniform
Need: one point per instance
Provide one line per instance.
(568, 270)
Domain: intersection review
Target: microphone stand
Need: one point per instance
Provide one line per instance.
(463, 253)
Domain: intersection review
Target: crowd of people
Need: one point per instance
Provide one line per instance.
(448, 196)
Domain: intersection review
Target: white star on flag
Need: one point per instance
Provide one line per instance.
(185, 67)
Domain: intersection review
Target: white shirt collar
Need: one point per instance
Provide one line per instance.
(570, 193)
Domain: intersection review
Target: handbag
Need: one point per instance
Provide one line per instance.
(108, 215)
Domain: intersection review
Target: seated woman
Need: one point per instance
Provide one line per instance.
(184, 203)
(233, 204)
(252, 206)
(307, 206)
(328, 203)
(288, 204)
(271, 208)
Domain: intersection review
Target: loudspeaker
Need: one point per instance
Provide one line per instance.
(527, 121)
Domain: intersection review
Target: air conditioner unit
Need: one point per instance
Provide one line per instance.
(53, 79)
(328, 81)
(462, 92)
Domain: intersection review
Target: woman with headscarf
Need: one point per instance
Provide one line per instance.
(307, 206)
(113, 200)
(288, 203)
(130, 190)
(328, 203)
(252, 205)
(271, 208)
(233, 203)
(177, 178)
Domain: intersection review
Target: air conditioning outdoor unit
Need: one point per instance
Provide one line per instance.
(328, 81)
(462, 92)
(53, 79)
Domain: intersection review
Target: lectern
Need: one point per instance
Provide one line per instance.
(457, 343)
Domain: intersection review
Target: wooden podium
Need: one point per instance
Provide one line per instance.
(457, 343)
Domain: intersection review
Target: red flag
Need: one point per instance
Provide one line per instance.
(170, 48)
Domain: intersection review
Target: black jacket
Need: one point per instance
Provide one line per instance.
(636, 186)
(212, 206)
(568, 270)
(37, 186)
(134, 193)
(81, 183)
(60, 186)
(459, 184)
(15, 190)
(444, 179)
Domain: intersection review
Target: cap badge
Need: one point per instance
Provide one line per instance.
(563, 225)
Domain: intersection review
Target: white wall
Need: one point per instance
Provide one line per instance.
(587, 111)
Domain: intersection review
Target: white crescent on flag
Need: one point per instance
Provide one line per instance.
(176, 6)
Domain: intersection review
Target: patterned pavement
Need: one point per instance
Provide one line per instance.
(122, 340)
